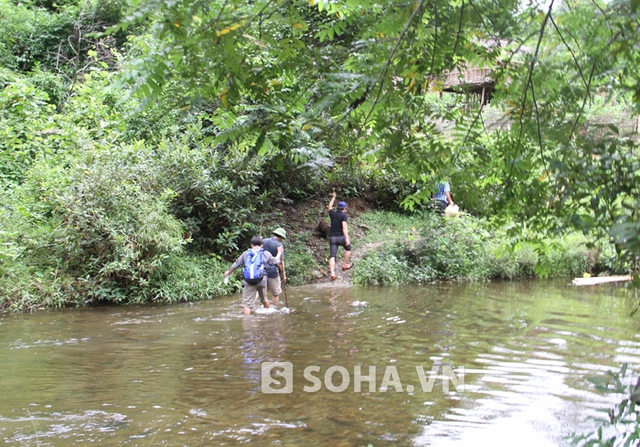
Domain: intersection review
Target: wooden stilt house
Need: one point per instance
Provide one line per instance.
(472, 80)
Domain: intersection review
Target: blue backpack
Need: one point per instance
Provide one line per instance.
(253, 267)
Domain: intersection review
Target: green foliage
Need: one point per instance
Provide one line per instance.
(186, 277)
(383, 268)
(621, 426)
(425, 248)
(91, 227)
(294, 157)
(27, 288)
(513, 262)
(216, 192)
(558, 257)
(221, 108)
(105, 222)
(300, 264)
(601, 187)
(571, 258)
(31, 35)
(422, 249)
(32, 127)
(58, 36)
(369, 100)
(24, 115)
(183, 277)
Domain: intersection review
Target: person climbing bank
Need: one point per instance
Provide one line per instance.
(339, 236)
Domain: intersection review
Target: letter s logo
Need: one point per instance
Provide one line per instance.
(279, 374)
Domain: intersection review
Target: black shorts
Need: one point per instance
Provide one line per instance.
(439, 205)
(338, 241)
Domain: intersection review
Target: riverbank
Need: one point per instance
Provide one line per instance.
(394, 249)
(389, 249)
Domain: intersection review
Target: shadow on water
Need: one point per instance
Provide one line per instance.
(355, 368)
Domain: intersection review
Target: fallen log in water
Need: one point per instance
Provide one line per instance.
(600, 280)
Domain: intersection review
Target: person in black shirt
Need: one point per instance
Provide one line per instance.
(339, 236)
(251, 291)
(274, 279)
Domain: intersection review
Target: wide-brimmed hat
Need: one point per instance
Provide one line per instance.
(280, 232)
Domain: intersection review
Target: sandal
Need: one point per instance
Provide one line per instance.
(334, 277)
(346, 267)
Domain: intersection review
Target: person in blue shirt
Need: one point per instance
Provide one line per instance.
(442, 199)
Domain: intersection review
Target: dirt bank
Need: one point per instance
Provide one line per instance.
(302, 219)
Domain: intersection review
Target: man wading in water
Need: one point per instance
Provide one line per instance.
(275, 280)
(339, 236)
(254, 281)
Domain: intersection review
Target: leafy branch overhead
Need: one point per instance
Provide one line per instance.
(354, 78)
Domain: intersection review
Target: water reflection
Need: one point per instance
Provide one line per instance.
(190, 374)
(263, 340)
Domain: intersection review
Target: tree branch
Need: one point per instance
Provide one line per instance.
(385, 68)
(455, 46)
(435, 39)
(584, 102)
(575, 60)
(535, 103)
(526, 89)
(481, 18)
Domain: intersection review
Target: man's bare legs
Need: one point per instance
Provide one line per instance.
(347, 257)
(262, 294)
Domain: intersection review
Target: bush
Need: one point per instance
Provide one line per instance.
(26, 288)
(32, 35)
(386, 187)
(186, 277)
(425, 247)
(106, 222)
(570, 257)
(92, 217)
(216, 192)
(300, 264)
(381, 268)
(24, 114)
(181, 277)
(511, 262)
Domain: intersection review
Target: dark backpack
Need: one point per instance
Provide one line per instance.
(253, 267)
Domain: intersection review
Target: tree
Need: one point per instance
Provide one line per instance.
(360, 73)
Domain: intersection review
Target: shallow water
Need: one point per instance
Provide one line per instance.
(191, 374)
